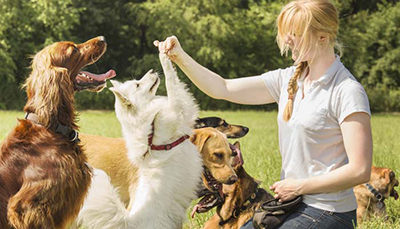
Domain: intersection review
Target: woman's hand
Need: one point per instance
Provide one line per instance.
(169, 46)
(287, 189)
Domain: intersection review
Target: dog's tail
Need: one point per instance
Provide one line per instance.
(103, 208)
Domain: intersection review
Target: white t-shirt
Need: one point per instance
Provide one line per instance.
(311, 142)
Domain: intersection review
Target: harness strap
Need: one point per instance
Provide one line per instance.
(246, 204)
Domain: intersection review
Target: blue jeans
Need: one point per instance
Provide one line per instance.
(309, 217)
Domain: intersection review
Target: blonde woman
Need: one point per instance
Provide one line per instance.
(324, 115)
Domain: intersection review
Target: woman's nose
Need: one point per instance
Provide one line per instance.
(288, 40)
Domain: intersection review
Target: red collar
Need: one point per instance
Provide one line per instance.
(164, 147)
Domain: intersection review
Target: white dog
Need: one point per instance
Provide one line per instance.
(168, 178)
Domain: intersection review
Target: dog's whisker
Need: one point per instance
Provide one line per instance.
(160, 73)
(97, 68)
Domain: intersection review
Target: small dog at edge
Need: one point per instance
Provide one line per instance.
(370, 200)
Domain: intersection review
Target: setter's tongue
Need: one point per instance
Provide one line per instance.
(85, 76)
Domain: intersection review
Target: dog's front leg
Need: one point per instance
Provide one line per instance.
(179, 98)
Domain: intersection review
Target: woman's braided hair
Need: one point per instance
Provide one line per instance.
(292, 89)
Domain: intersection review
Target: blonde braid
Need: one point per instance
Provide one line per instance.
(292, 89)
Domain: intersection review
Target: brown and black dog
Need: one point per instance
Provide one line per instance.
(43, 175)
(370, 201)
(238, 201)
(230, 130)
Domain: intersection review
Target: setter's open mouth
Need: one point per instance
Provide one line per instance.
(89, 81)
(93, 50)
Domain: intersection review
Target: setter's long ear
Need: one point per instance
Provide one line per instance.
(48, 88)
(199, 138)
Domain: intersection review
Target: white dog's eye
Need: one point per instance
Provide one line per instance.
(137, 85)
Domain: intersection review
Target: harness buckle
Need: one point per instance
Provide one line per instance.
(76, 136)
(235, 214)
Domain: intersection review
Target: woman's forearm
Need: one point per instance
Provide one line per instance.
(244, 90)
(207, 81)
(340, 179)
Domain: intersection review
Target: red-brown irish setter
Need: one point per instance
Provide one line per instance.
(43, 175)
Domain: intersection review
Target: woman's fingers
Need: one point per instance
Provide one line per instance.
(164, 46)
(169, 46)
(160, 45)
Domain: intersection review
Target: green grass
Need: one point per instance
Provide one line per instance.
(259, 147)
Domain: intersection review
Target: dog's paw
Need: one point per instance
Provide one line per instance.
(165, 61)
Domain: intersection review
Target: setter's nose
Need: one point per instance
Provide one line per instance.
(102, 39)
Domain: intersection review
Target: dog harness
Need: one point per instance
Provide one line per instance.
(377, 195)
(67, 131)
(246, 204)
(163, 147)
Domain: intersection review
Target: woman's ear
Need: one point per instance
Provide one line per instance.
(323, 38)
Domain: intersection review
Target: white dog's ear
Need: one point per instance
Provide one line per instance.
(120, 96)
(115, 83)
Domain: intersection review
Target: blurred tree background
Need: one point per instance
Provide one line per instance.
(233, 38)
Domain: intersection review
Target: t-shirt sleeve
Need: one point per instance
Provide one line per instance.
(352, 98)
(273, 82)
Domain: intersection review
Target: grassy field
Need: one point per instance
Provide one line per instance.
(260, 148)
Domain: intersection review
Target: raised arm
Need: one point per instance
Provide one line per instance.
(246, 90)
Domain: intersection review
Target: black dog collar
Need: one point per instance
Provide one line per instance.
(377, 195)
(67, 131)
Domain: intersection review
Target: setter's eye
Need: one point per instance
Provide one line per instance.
(72, 50)
(75, 50)
(137, 85)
